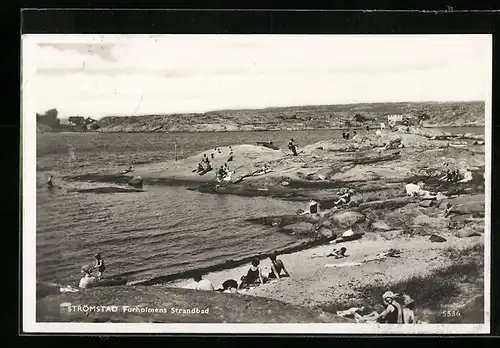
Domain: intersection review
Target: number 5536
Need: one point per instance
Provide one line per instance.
(450, 313)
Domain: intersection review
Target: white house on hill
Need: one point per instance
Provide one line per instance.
(395, 118)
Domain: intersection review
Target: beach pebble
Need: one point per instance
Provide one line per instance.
(285, 183)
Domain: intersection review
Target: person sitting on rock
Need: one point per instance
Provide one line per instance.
(253, 275)
(276, 267)
(221, 173)
(200, 167)
(354, 135)
(393, 313)
(343, 135)
(313, 208)
(200, 283)
(345, 197)
(447, 176)
(88, 281)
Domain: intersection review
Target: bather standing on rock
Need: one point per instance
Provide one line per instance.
(292, 146)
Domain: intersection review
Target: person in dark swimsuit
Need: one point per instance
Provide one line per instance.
(276, 267)
(228, 285)
(99, 265)
(253, 275)
(393, 313)
(292, 146)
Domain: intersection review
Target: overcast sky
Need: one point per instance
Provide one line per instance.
(167, 74)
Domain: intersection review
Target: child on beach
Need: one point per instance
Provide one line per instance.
(99, 265)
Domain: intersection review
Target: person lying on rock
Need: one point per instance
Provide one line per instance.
(88, 281)
(277, 267)
(229, 286)
(338, 253)
(253, 275)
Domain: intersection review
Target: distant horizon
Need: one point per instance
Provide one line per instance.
(268, 107)
(128, 75)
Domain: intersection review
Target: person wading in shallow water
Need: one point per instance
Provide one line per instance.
(50, 183)
(99, 265)
(292, 146)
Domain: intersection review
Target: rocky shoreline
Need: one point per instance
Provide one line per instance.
(376, 169)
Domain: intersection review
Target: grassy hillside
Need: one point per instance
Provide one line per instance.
(434, 114)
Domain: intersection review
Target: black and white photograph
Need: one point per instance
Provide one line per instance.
(256, 183)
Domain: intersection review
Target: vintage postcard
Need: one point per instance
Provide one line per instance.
(256, 183)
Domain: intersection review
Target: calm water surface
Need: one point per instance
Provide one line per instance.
(161, 231)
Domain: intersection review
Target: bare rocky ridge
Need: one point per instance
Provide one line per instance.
(458, 114)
